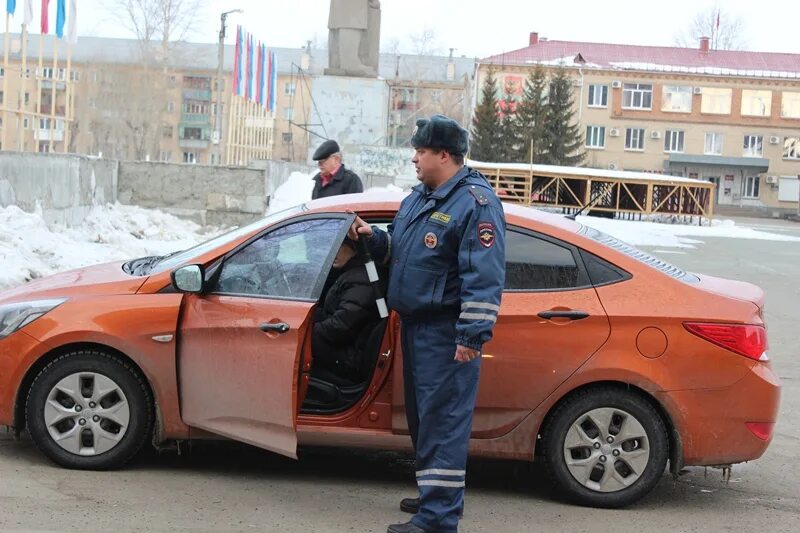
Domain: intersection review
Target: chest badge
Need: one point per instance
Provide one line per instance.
(431, 240)
(486, 234)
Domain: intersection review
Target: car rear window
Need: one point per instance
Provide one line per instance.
(643, 257)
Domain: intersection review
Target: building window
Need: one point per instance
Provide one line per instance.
(676, 98)
(192, 134)
(287, 137)
(25, 123)
(751, 186)
(2, 72)
(190, 157)
(197, 108)
(27, 73)
(288, 113)
(27, 98)
(595, 137)
(598, 96)
(634, 139)
(713, 144)
(753, 146)
(790, 105)
(791, 148)
(62, 74)
(289, 88)
(637, 96)
(75, 75)
(170, 106)
(716, 101)
(214, 109)
(167, 131)
(165, 156)
(2, 97)
(756, 103)
(673, 141)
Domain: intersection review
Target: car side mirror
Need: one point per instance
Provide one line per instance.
(188, 278)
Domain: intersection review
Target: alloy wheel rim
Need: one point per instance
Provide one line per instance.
(87, 413)
(606, 449)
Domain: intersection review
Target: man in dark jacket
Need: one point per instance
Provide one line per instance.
(333, 178)
(346, 317)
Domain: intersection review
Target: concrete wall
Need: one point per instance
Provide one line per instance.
(379, 166)
(217, 196)
(65, 187)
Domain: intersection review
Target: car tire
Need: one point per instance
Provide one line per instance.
(89, 410)
(605, 447)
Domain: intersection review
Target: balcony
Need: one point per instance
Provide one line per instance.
(197, 94)
(48, 85)
(193, 143)
(48, 135)
(195, 119)
(47, 109)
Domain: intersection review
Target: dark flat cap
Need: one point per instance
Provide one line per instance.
(325, 150)
(441, 133)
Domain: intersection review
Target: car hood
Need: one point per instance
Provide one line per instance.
(107, 278)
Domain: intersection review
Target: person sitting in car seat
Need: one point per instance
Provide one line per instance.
(346, 316)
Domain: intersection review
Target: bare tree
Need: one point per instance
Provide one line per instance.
(390, 45)
(131, 105)
(725, 30)
(425, 43)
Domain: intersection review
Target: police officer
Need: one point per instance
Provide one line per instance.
(333, 178)
(446, 252)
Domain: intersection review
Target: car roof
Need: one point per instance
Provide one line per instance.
(390, 201)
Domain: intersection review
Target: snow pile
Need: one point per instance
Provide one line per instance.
(294, 191)
(30, 249)
(676, 235)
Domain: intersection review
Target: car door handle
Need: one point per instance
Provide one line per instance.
(568, 314)
(278, 327)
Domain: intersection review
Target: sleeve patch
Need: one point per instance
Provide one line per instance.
(486, 234)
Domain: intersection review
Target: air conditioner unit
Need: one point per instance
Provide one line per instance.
(613, 132)
(612, 166)
(655, 134)
(772, 180)
(774, 139)
(697, 90)
(616, 84)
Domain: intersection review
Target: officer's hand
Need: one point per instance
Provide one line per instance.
(465, 355)
(359, 227)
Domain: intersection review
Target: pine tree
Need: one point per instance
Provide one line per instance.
(530, 120)
(486, 123)
(563, 135)
(507, 141)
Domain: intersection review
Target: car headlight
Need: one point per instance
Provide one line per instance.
(19, 314)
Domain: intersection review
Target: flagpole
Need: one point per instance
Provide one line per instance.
(53, 94)
(68, 103)
(6, 75)
(39, 72)
(23, 83)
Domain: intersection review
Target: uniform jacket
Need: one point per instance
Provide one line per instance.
(346, 317)
(344, 182)
(446, 254)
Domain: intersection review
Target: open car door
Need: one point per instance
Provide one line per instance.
(241, 341)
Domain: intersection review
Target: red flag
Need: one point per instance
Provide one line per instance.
(45, 7)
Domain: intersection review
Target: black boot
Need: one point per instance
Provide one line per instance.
(408, 527)
(409, 505)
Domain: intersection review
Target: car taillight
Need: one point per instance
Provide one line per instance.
(745, 339)
(762, 430)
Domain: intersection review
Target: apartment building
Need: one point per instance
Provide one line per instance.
(729, 117)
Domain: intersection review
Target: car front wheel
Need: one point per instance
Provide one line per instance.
(605, 447)
(89, 410)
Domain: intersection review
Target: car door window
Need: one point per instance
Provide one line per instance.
(534, 263)
(284, 263)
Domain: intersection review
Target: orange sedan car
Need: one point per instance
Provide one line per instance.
(606, 362)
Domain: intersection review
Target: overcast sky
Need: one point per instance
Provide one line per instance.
(482, 27)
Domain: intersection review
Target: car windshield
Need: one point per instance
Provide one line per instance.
(631, 251)
(171, 261)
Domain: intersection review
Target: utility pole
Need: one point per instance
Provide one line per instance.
(217, 138)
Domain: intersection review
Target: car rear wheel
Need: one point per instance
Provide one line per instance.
(605, 447)
(89, 410)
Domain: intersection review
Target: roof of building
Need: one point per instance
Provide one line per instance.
(203, 56)
(653, 58)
